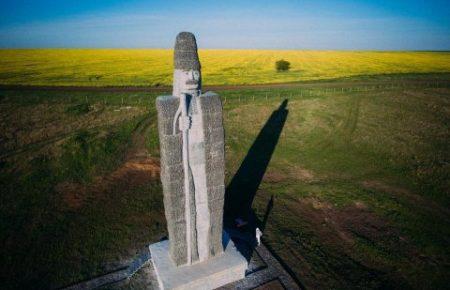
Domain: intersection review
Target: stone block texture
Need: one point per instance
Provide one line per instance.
(210, 274)
(211, 108)
(206, 177)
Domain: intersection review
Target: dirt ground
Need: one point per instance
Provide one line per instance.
(136, 170)
(321, 243)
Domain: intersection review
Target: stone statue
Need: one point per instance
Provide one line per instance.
(198, 254)
(192, 160)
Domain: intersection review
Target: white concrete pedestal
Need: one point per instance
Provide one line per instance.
(211, 274)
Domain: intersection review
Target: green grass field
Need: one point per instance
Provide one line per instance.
(359, 179)
(154, 67)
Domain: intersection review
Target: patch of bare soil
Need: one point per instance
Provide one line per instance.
(137, 169)
(302, 174)
(73, 194)
(274, 177)
(322, 245)
(404, 194)
(130, 174)
(296, 173)
(341, 226)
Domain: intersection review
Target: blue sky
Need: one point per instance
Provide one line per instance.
(281, 24)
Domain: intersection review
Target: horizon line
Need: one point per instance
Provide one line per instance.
(236, 49)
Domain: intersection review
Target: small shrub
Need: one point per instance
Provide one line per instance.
(95, 77)
(282, 65)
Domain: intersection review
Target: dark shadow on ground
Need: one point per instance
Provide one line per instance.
(242, 188)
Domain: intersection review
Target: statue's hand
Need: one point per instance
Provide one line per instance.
(185, 123)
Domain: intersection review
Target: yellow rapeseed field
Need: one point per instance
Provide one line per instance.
(153, 67)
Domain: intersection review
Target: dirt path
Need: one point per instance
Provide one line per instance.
(137, 169)
(337, 83)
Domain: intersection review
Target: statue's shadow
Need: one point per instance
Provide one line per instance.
(244, 185)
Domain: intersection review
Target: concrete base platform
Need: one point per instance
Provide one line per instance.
(216, 272)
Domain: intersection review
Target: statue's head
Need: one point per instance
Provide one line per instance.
(187, 74)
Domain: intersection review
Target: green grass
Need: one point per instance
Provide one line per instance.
(385, 149)
(50, 241)
(79, 109)
(359, 178)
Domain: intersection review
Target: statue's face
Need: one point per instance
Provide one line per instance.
(187, 82)
(192, 80)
